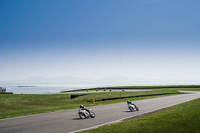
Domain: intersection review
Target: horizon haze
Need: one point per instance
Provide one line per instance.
(116, 80)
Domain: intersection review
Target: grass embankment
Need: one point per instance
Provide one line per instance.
(22, 104)
(175, 87)
(182, 118)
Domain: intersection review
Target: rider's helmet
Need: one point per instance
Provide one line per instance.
(128, 101)
(81, 106)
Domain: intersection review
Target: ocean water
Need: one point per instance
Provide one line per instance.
(48, 88)
(44, 88)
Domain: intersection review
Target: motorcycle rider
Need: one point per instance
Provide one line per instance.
(132, 104)
(129, 102)
(83, 108)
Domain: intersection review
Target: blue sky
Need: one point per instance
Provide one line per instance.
(98, 38)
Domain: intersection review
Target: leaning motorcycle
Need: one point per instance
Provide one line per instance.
(132, 107)
(86, 113)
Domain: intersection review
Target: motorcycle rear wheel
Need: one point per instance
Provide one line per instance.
(92, 114)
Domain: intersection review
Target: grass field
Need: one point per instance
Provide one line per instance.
(182, 118)
(175, 87)
(25, 104)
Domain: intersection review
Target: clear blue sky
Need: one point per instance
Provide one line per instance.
(98, 38)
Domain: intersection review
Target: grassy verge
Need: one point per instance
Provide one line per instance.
(175, 87)
(182, 118)
(21, 104)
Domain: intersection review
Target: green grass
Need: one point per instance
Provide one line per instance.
(182, 118)
(22, 104)
(176, 87)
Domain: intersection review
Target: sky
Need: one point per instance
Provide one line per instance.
(98, 38)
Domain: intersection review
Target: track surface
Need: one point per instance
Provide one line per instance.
(69, 121)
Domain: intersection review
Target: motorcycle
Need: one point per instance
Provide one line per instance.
(132, 107)
(86, 113)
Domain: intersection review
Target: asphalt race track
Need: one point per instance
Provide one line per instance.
(69, 121)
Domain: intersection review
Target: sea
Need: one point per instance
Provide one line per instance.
(51, 88)
(45, 88)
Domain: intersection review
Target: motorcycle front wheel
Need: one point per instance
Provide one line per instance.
(92, 114)
(82, 116)
(137, 108)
